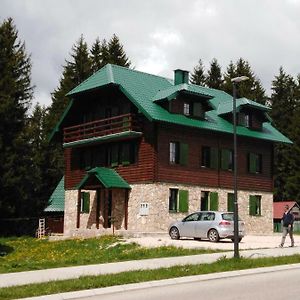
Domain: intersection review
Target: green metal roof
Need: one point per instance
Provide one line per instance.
(108, 177)
(56, 202)
(226, 106)
(143, 90)
(172, 92)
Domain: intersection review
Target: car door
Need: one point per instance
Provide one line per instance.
(187, 228)
(204, 224)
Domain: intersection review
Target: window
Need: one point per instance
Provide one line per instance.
(209, 157)
(121, 154)
(178, 200)
(186, 109)
(255, 205)
(254, 163)
(85, 202)
(173, 200)
(230, 202)
(244, 119)
(209, 201)
(208, 216)
(226, 159)
(174, 152)
(178, 153)
(192, 217)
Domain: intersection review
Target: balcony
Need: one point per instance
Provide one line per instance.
(101, 128)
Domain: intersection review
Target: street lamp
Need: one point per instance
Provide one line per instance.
(235, 81)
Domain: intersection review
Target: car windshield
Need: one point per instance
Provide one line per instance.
(228, 217)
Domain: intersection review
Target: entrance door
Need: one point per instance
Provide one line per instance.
(106, 208)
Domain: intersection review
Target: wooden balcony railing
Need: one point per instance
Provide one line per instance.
(103, 127)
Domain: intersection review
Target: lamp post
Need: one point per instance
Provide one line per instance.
(235, 81)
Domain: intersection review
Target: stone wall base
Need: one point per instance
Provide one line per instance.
(148, 210)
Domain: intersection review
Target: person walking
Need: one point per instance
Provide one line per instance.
(287, 226)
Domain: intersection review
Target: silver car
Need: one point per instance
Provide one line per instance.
(212, 225)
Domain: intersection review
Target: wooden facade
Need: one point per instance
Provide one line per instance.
(152, 160)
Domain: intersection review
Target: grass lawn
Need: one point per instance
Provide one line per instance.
(90, 282)
(24, 254)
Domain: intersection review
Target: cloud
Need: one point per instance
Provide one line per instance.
(160, 36)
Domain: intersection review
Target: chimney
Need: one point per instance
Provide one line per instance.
(181, 76)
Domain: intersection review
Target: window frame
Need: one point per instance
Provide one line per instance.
(85, 202)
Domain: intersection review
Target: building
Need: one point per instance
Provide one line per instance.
(278, 210)
(142, 150)
(54, 212)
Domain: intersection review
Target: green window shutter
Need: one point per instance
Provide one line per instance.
(230, 202)
(114, 155)
(85, 202)
(214, 201)
(125, 155)
(252, 163)
(214, 159)
(225, 159)
(241, 119)
(198, 110)
(183, 201)
(252, 205)
(183, 152)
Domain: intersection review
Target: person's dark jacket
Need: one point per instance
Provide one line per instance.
(287, 219)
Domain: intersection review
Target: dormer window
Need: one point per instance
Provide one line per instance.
(244, 120)
(250, 120)
(186, 109)
(194, 109)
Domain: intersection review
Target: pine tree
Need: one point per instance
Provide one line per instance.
(15, 98)
(74, 72)
(214, 78)
(96, 56)
(34, 133)
(251, 89)
(285, 118)
(116, 53)
(198, 76)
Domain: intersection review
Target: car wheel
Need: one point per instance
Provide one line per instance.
(174, 233)
(238, 240)
(213, 235)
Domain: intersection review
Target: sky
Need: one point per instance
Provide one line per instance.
(159, 36)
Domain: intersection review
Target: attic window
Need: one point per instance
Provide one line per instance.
(250, 120)
(186, 109)
(193, 110)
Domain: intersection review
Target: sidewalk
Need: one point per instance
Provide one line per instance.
(21, 278)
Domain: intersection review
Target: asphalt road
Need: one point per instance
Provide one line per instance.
(276, 285)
